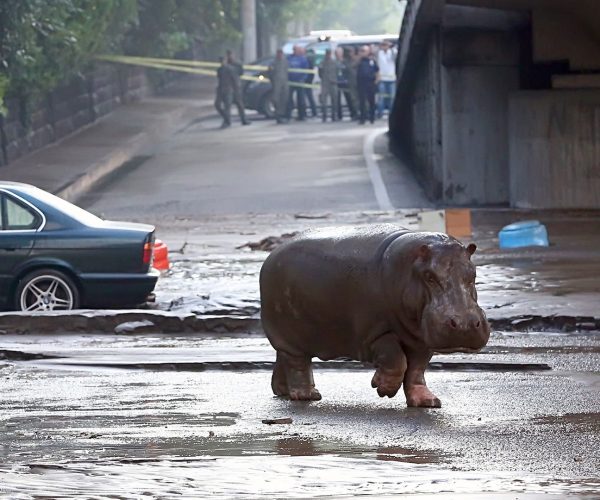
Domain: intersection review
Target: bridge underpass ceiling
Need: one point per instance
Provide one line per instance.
(562, 30)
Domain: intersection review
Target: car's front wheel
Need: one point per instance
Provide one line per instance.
(267, 106)
(47, 290)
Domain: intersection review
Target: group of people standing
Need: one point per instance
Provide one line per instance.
(355, 75)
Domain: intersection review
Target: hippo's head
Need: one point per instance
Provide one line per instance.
(442, 297)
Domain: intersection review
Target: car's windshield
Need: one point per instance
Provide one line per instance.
(73, 211)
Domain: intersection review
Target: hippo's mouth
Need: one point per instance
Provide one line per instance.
(450, 350)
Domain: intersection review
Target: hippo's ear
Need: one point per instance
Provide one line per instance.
(471, 248)
(423, 253)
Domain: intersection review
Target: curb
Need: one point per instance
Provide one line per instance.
(106, 321)
(148, 139)
(76, 188)
(152, 321)
(82, 183)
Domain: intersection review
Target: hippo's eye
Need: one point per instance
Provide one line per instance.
(430, 278)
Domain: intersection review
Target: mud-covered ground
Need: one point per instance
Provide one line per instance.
(211, 274)
(179, 415)
(86, 420)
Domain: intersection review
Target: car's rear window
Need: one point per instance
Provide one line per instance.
(17, 217)
(73, 211)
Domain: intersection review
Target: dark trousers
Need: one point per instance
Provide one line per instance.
(223, 103)
(366, 95)
(223, 106)
(349, 98)
(299, 91)
(311, 101)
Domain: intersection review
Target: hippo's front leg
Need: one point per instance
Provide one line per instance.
(390, 361)
(416, 390)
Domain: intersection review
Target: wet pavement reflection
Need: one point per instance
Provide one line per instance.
(188, 434)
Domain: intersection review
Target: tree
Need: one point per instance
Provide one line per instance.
(44, 43)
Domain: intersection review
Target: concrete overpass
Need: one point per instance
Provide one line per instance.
(499, 101)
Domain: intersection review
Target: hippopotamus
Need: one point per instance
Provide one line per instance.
(380, 294)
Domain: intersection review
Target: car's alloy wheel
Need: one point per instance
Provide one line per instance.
(47, 290)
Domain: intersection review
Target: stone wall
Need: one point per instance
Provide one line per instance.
(71, 106)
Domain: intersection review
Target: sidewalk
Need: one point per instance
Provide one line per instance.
(68, 168)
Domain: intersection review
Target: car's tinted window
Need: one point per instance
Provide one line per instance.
(17, 216)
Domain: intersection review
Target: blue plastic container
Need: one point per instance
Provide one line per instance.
(527, 233)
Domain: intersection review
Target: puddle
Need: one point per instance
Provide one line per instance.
(287, 476)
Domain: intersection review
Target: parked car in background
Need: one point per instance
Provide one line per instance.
(315, 36)
(57, 256)
(258, 93)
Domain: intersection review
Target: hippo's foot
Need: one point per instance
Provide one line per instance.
(419, 396)
(305, 394)
(386, 384)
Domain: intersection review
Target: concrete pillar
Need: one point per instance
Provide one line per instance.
(248, 15)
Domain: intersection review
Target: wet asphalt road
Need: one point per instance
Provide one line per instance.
(67, 429)
(70, 428)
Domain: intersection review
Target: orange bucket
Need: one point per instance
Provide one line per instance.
(161, 256)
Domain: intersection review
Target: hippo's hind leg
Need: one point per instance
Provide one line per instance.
(390, 363)
(279, 379)
(299, 377)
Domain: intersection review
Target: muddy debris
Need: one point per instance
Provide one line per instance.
(311, 216)
(277, 421)
(135, 327)
(269, 243)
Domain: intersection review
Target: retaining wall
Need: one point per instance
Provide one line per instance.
(69, 107)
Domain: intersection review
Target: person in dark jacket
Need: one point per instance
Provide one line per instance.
(297, 80)
(223, 94)
(308, 91)
(367, 75)
(346, 81)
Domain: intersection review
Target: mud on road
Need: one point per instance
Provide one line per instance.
(69, 426)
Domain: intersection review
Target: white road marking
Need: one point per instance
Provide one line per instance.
(381, 194)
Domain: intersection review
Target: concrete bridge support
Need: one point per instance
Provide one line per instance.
(494, 109)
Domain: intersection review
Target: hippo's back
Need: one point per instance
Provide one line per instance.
(311, 284)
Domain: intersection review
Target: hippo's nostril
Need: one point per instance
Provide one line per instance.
(453, 323)
(477, 324)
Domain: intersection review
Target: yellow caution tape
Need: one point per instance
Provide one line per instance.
(193, 67)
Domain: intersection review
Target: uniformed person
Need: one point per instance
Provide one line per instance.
(367, 75)
(281, 88)
(237, 70)
(222, 98)
(328, 72)
(351, 63)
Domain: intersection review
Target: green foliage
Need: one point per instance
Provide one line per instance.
(46, 42)
(365, 18)
(43, 43)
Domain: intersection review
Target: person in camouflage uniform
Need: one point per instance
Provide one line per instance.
(281, 89)
(328, 72)
(236, 70)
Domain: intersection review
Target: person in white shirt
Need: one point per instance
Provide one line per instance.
(386, 60)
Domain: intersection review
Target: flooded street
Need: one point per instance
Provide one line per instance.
(175, 409)
(193, 425)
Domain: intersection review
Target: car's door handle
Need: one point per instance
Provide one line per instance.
(9, 249)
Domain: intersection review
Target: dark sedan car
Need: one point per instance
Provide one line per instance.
(258, 94)
(56, 256)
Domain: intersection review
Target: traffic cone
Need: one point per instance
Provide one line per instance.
(161, 256)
